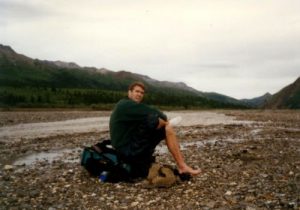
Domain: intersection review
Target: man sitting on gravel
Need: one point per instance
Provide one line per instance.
(136, 129)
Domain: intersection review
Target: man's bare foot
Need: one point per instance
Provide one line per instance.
(188, 170)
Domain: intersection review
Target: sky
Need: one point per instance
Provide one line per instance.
(239, 48)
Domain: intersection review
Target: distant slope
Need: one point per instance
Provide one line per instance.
(18, 70)
(223, 98)
(21, 72)
(258, 101)
(287, 98)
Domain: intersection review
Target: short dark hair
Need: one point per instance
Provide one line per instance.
(140, 84)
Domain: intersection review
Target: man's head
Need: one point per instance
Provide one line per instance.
(136, 91)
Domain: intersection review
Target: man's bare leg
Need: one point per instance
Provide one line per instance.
(173, 146)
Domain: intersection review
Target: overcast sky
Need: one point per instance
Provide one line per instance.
(240, 48)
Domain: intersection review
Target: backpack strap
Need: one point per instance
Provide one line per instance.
(105, 146)
(97, 148)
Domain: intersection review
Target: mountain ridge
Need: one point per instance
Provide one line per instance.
(22, 71)
(122, 74)
(258, 102)
(287, 98)
(31, 82)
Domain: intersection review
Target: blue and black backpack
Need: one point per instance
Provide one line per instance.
(100, 158)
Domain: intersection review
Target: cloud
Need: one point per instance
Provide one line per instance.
(211, 45)
(19, 10)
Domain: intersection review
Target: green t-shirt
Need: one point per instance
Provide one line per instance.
(125, 119)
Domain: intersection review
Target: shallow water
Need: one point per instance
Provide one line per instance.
(162, 149)
(65, 156)
(49, 157)
(98, 124)
(83, 125)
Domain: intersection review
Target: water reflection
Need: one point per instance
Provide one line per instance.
(49, 157)
(73, 155)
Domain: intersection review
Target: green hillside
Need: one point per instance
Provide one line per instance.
(286, 98)
(25, 82)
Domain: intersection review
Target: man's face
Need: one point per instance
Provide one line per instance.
(137, 94)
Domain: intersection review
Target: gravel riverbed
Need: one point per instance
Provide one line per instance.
(250, 160)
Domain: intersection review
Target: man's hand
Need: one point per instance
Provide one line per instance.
(185, 169)
(161, 123)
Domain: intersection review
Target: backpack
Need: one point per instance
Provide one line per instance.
(102, 159)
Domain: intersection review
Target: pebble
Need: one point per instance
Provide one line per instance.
(134, 204)
(228, 193)
(250, 208)
(211, 204)
(8, 167)
(227, 182)
(232, 184)
(249, 198)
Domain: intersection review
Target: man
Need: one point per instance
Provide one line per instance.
(136, 129)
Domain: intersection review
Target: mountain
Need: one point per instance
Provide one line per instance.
(24, 80)
(286, 98)
(31, 82)
(19, 70)
(61, 64)
(223, 98)
(258, 101)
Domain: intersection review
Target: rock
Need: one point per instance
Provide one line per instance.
(211, 204)
(228, 192)
(240, 171)
(250, 208)
(34, 193)
(8, 167)
(249, 198)
(232, 184)
(134, 204)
